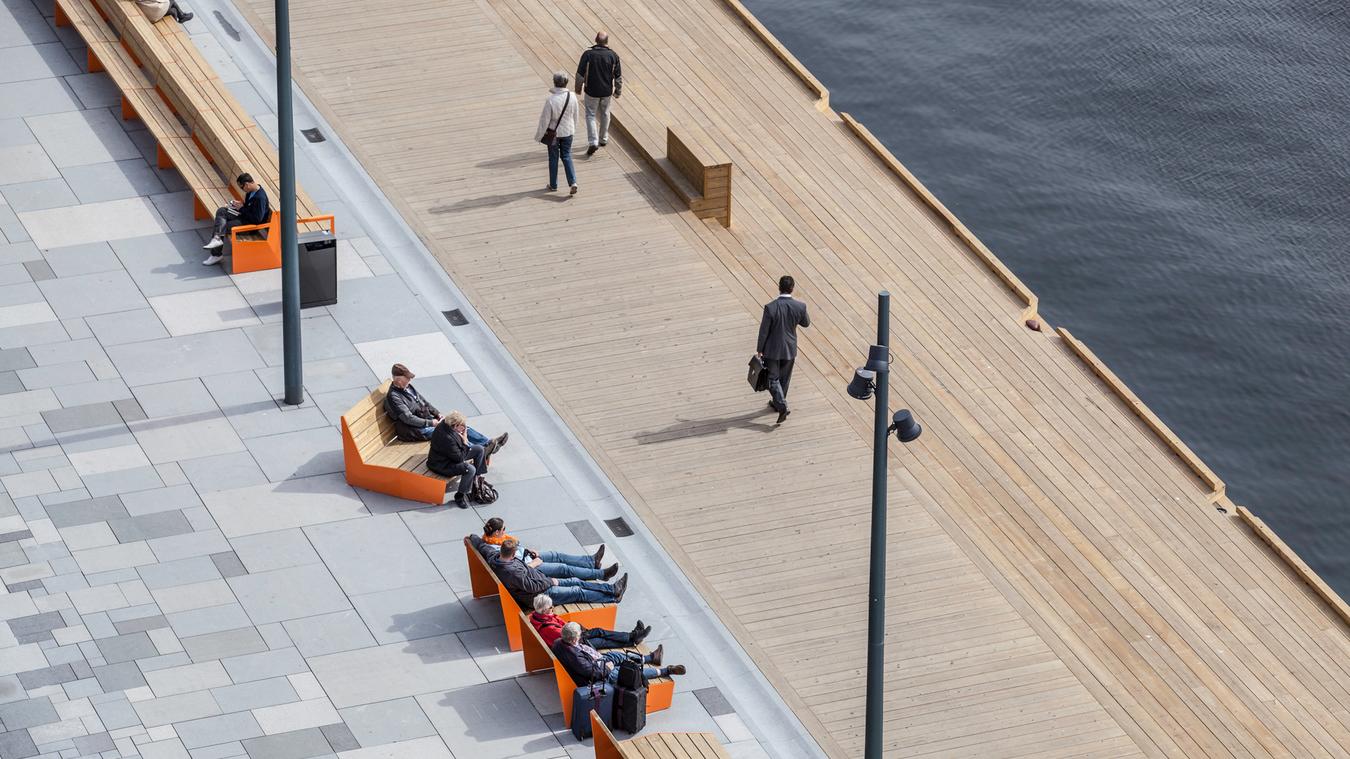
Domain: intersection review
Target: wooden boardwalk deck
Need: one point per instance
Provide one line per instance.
(1060, 584)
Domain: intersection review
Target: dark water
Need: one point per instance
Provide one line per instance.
(1173, 180)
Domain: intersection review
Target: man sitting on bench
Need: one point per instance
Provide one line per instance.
(587, 665)
(524, 582)
(415, 418)
(550, 625)
(551, 563)
(254, 210)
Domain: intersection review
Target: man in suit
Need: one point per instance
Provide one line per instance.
(778, 342)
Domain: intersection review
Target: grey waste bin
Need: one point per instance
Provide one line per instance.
(318, 269)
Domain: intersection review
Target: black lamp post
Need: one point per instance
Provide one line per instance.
(290, 254)
(868, 381)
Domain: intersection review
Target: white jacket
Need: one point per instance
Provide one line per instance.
(153, 9)
(559, 99)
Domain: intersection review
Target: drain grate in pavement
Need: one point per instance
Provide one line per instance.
(313, 134)
(455, 317)
(619, 527)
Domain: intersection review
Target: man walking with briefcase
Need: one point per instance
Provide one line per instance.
(778, 342)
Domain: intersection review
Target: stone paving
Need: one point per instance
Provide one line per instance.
(186, 572)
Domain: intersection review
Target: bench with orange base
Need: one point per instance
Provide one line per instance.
(660, 690)
(375, 459)
(254, 247)
(656, 745)
(485, 583)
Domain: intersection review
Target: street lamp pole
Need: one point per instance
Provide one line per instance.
(876, 585)
(290, 254)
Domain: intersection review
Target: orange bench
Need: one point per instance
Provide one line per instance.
(660, 690)
(258, 246)
(656, 745)
(485, 583)
(375, 459)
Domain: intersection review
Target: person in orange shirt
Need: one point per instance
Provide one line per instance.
(552, 563)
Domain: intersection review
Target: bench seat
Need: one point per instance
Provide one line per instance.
(485, 583)
(375, 459)
(660, 690)
(655, 745)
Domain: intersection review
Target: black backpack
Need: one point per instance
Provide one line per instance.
(631, 675)
(482, 491)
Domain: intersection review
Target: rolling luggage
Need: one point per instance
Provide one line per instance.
(630, 709)
(598, 696)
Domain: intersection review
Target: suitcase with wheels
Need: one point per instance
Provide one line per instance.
(598, 696)
(630, 709)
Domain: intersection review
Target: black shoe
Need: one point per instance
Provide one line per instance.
(591, 150)
(183, 17)
(461, 501)
(501, 440)
(782, 415)
(657, 655)
(676, 669)
(620, 588)
(600, 554)
(613, 570)
(640, 633)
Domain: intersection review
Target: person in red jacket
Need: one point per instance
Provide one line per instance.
(550, 627)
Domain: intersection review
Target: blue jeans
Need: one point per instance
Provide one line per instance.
(561, 147)
(571, 590)
(619, 657)
(475, 437)
(561, 565)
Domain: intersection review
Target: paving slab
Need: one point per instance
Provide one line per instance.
(373, 554)
(492, 721)
(290, 593)
(77, 138)
(276, 506)
(92, 222)
(329, 633)
(395, 670)
(114, 180)
(187, 357)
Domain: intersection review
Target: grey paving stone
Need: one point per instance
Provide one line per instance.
(186, 437)
(175, 573)
(262, 508)
(141, 624)
(279, 549)
(255, 695)
(123, 676)
(363, 310)
(95, 91)
(329, 633)
(61, 673)
(224, 644)
(138, 325)
(117, 713)
(177, 398)
(322, 338)
(129, 647)
(34, 711)
(85, 687)
(372, 554)
(82, 259)
(395, 670)
(457, 716)
(81, 417)
(171, 263)
(13, 133)
(92, 294)
(35, 62)
(12, 555)
(128, 407)
(182, 357)
(10, 537)
(82, 137)
(209, 620)
(88, 745)
(299, 744)
(421, 611)
(35, 627)
(122, 481)
(98, 391)
(169, 709)
(161, 499)
(38, 195)
(290, 593)
(340, 737)
(148, 526)
(228, 563)
(213, 730)
(298, 454)
(114, 180)
(39, 270)
(26, 163)
(16, 358)
(226, 471)
(326, 375)
(16, 744)
(265, 664)
(387, 722)
(202, 543)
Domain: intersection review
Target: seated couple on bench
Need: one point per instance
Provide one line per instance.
(457, 450)
(579, 648)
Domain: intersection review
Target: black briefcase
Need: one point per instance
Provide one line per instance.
(759, 376)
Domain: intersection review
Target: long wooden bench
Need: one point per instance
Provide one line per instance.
(656, 745)
(485, 583)
(660, 690)
(707, 170)
(199, 126)
(375, 459)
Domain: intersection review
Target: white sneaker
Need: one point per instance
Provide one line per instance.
(574, 190)
(213, 259)
(216, 242)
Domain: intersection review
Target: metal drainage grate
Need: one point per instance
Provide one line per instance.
(455, 317)
(313, 134)
(619, 527)
(227, 26)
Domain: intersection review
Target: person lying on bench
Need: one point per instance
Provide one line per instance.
(587, 665)
(415, 418)
(551, 563)
(254, 210)
(158, 9)
(524, 582)
(550, 627)
(451, 455)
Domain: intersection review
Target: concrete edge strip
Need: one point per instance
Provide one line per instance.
(756, 701)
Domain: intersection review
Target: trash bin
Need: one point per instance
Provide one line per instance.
(318, 269)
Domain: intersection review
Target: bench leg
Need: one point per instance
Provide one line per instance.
(95, 65)
(128, 112)
(61, 18)
(199, 211)
(162, 159)
(132, 53)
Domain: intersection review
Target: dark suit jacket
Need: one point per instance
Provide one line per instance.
(256, 209)
(778, 328)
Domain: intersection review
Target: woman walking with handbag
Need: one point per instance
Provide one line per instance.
(557, 124)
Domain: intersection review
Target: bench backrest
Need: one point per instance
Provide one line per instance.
(706, 167)
(371, 428)
(606, 747)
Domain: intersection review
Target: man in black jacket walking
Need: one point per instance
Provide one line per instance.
(254, 210)
(601, 77)
(778, 342)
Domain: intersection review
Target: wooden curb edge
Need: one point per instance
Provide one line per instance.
(1304, 572)
(784, 55)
